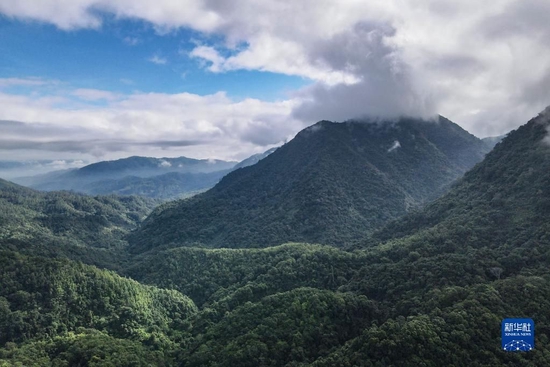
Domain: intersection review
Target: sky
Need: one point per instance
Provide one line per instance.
(89, 80)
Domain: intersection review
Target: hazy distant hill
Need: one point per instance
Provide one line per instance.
(120, 168)
(254, 159)
(491, 141)
(166, 186)
(161, 178)
(333, 183)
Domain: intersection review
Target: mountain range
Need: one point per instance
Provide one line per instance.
(159, 178)
(333, 183)
(429, 288)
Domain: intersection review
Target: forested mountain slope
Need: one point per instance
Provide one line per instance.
(502, 197)
(168, 186)
(67, 224)
(159, 178)
(333, 183)
(429, 290)
(42, 298)
(433, 296)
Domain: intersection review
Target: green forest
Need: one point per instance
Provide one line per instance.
(426, 286)
(334, 183)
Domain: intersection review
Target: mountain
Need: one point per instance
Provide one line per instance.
(121, 168)
(67, 224)
(332, 184)
(430, 289)
(159, 178)
(491, 141)
(456, 269)
(167, 186)
(253, 159)
(147, 167)
(508, 193)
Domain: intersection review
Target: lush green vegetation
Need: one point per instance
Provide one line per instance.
(427, 290)
(169, 186)
(158, 178)
(91, 229)
(208, 275)
(332, 184)
(82, 348)
(41, 299)
(45, 297)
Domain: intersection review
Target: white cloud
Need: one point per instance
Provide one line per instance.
(144, 124)
(94, 94)
(28, 82)
(155, 59)
(396, 144)
(131, 41)
(484, 65)
(65, 164)
(210, 55)
(74, 14)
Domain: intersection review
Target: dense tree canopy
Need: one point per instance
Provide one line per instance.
(332, 184)
(427, 290)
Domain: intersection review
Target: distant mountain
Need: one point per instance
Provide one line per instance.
(333, 183)
(167, 186)
(147, 167)
(160, 178)
(254, 159)
(121, 168)
(491, 141)
(10, 170)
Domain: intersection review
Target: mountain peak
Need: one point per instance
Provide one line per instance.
(332, 183)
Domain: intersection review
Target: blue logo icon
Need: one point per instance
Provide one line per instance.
(518, 335)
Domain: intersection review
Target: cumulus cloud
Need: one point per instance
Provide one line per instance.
(385, 88)
(209, 55)
(484, 65)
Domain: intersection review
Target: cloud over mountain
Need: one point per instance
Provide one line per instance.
(486, 66)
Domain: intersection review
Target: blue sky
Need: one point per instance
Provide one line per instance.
(126, 56)
(88, 80)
